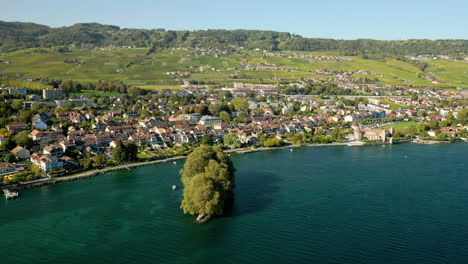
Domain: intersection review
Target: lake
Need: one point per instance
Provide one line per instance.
(395, 204)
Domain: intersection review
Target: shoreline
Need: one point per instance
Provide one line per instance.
(94, 173)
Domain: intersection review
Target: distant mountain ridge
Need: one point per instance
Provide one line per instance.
(20, 35)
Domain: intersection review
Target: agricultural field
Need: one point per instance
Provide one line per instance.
(91, 93)
(135, 66)
(155, 87)
(400, 126)
(394, 105)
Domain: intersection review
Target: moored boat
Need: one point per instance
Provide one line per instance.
(202, 218)
(10, 195)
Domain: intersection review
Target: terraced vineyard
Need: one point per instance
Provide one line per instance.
(135, 66)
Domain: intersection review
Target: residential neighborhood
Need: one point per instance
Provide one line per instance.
(58, 136)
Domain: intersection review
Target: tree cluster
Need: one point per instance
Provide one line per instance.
(208, 179)
(124, 153)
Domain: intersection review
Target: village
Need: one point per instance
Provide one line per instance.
(52, 135)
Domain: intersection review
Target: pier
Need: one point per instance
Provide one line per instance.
(9, 194)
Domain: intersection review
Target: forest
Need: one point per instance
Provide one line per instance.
(18, 35)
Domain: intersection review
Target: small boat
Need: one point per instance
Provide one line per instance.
(291, 150)
(174, 187)
(383, 146)
(174, 162)
(202, 218)
(10, 195)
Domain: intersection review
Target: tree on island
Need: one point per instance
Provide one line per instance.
(208, 179)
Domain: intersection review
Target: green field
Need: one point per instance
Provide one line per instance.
(401, 125)
(394, 105)
(154, 87)
(134, 66)
(95, 93)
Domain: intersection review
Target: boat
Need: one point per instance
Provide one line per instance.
(202, 218)
(291, 150)
(174, 187)
(10, 195)
(174, 162)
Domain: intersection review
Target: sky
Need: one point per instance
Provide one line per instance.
(338, 19)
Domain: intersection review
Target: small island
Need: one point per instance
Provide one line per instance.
(208, 179)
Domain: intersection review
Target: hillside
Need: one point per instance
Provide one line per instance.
(171, 66)
(91, 51)
(16, 35)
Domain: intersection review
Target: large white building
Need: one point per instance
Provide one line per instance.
(47, 163)
(52, 94)
(209, 120)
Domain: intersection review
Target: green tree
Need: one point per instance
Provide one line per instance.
(422, 113)
(69, 106)
(131, 151)
(298, 138)
(240, 103)
(433, 124)
(397, 134)
(202, 110)
(118, 153)
(462, 115)
(36, 170)
(241, 118)
(225, 116)
(272, 142)
(206, 140)
(101, 101)
(23, 139)
(202, 197)
(337, 134)
(17, 104)
(87, 163)
(7, 145)
(208, 178)
(9, 157)
(25, 116)
(232, 140)
(99, 161)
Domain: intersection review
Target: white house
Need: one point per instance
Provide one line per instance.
(47, 163)
(209, 120)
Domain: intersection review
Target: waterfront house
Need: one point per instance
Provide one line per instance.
(46, 163)
(20, 152)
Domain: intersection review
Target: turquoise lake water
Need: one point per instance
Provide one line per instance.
(396, 204)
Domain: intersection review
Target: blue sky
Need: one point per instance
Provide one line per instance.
(340, 19)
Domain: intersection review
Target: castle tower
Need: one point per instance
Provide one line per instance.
(357, 131)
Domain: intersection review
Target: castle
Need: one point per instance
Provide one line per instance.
(371, 134)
